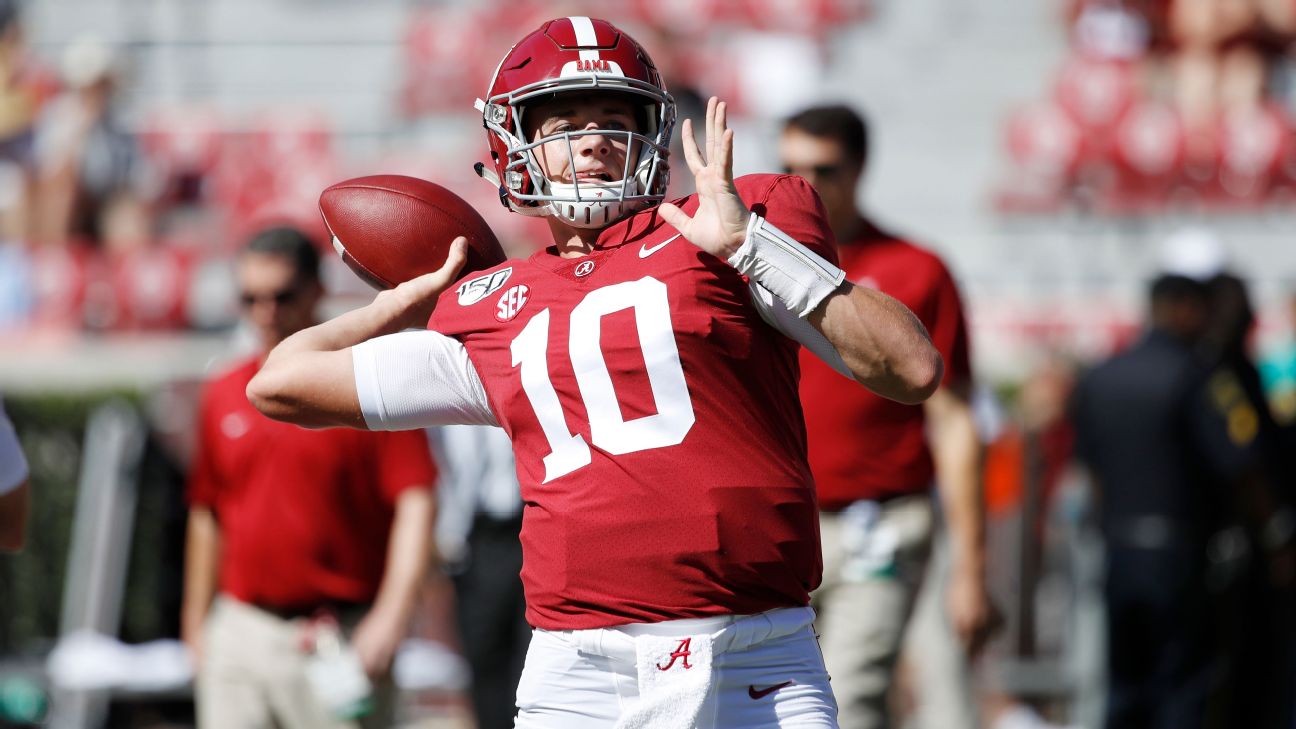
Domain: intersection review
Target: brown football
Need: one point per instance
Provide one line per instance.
(392, 228)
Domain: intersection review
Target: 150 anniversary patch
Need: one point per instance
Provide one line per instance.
(474, 290)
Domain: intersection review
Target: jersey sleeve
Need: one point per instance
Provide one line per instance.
(417, 379)
(404, 462)
(13, 465)
(790, 204)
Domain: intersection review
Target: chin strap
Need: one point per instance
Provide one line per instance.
(487, 174)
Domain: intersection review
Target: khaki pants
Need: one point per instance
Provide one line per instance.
(253, 674)
(933, 652)
(874, 558)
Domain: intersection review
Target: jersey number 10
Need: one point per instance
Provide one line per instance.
(608, 429)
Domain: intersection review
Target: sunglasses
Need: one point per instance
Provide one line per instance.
(282, 297)
(819, 171)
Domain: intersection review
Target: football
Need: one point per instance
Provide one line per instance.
(392, 228)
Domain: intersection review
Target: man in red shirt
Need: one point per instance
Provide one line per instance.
(644, 367)
(874, 460)
(289, 528)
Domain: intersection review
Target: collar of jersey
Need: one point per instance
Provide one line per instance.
(640, 226)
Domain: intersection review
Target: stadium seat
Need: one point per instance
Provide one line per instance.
(60, 278)
(1148, 151)
(1044, 148)
(1096, 94)
(437, 47)
(1253, 143)
(1284, 184)
(275, 172)
(291, 132)
(149, 288)
(182, 139)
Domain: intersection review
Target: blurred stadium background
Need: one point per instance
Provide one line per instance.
(1045, 148)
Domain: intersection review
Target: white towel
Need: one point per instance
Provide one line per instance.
(674, 680)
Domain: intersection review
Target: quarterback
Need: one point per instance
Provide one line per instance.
(645, 368)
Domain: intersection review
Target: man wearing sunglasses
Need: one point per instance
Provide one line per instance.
(294, 532)
(875, 460)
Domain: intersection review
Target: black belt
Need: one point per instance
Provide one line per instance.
(337, 608)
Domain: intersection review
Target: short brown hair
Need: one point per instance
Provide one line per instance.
(290, 244)
(837, 122)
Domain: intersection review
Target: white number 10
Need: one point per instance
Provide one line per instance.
(608, 430)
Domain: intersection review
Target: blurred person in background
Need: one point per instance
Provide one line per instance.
(479, 520)
(1260, 624)
(17, 286)
(25, 86)
(1278, 373)
(1144, 427)
(85, 157)
(1171, 453)
(15, 498)
(293, 532)
(874, 460)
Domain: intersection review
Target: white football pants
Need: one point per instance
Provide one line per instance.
(760, 671)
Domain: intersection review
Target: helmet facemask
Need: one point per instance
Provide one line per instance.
(586, 203)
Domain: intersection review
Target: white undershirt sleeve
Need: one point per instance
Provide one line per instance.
(775, 313)
(417, 379)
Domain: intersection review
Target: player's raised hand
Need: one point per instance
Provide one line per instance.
(417, 297)
(719, 224)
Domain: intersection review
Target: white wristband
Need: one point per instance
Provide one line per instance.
(797, 275)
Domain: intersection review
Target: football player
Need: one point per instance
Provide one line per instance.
(645, 368)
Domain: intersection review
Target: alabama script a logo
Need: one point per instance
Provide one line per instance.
(681, 653)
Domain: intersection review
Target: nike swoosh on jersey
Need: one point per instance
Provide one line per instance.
(645, 251)
(755, 693)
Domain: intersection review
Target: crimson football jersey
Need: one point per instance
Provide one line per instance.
(655, 422)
